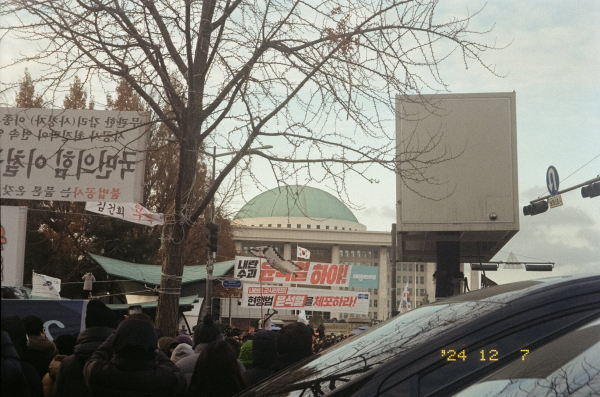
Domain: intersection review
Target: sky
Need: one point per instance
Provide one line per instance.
(552, 63)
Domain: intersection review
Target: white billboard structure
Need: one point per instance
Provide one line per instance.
(13, 225)
(471, 205)
(72, 155)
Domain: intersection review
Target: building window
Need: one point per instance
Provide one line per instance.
(404, 279)
(289, 225)
(422, 268)
(404, 267)
(374, 302)
(410, 279)
(370, 303)
(335, 227)
(375, 291)
(374, 315)
(352, 253)
(269, 225)
(279, 225)
(422, 292)
(318, 226)
(375, 264)
(358, 254)
(410, 267)
(298, 226)
(327, 227)
(422, 280)
(308, 226)
(347, 252)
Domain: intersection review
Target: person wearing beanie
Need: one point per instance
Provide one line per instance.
(263, 356)
(183, 338)
(203, 335)
(167, 345)
(129, 363)
(100, 323)
(65, 344)
(14, 344)
(40, 351)
(293, 344)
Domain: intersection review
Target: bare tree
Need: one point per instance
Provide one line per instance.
(316, 80)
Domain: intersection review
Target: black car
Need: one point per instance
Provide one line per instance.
(449, 346)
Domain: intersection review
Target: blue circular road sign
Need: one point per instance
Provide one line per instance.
(552, 180)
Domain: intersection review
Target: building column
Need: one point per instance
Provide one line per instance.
(383, 296)
(287, 251)
(475, 282)
(335, 254)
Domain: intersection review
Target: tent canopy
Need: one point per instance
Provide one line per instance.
(150, 274)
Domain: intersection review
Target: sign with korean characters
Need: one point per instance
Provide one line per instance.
(255, 295)
(131, 212)
(13, 225)
(72, 155)
(308, 273)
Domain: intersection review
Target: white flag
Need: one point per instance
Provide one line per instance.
(45, 286)
(130, 212)
(302, 253)
(302, 317)
(405, 299)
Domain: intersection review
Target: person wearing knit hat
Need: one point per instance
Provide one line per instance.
(263, 355)
(100, 323)
(183, 338)
(167, 344)
(203, 335)
(129, 363)
(293, 344)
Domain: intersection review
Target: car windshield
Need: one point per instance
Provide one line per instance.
(343, 362)
(568, 366)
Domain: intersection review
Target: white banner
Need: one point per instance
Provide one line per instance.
(45, 286)
(13, 225)
(72, 155)
(305, 299)
(131, 212)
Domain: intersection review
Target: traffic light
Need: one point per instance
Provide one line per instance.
(535, 208)
(591, 190)
(212, 236)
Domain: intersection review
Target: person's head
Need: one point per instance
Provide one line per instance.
(167, 344)
(15, 329)
(33, 326)
(294, 341)
(263, 349)
(135, 339)
(207, 332)
(99, 315)
(184, 339)
(235, 345)
(217, 372)
(65, 344)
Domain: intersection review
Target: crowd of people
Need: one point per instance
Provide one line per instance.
(130, 359)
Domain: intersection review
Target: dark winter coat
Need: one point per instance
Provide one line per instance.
(116, 375)
(14, 382)
(40, 352)
(263, 355)
(69, 380)
(14, 343)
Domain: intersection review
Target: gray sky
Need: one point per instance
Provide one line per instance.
(553, 65)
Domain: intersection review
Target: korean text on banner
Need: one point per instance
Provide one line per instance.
(311, 273)
(45, 286)
(281, 297)
(131, 212)
(72, 155)
(13, 227)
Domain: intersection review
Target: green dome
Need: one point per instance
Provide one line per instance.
(296, 201)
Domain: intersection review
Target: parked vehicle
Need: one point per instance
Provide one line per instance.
(445, 347)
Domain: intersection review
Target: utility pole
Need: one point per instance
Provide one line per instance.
(393, 262)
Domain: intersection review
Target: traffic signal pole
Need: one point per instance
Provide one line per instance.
(566, 190)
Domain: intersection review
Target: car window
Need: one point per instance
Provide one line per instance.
(372, 348)
(514, 346)
(568, 366)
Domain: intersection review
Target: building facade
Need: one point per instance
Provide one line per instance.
(293, 216)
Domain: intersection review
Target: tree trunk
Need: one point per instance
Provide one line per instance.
(167, 312)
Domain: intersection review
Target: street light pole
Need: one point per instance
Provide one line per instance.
(212, 259)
